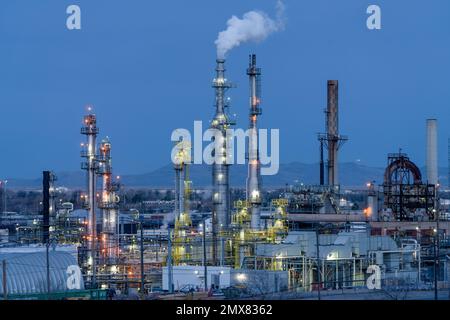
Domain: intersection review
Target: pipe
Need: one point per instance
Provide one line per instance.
(327, 217)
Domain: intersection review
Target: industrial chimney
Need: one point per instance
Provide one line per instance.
(254, 165)
(331, 139)
(432, 160)
(332, 132)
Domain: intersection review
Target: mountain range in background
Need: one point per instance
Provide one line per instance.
(351, 175)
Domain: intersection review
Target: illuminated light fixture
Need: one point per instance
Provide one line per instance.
(255, 194)
(241, 277)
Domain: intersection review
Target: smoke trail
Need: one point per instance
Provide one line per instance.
(254, 26)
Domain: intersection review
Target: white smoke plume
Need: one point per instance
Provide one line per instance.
(255, 26)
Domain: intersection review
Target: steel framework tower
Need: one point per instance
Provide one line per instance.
(90, 165)
(182, 184)
(221, 215)
(432, 152)
(108, 204)
(182, 197)
(254, 165)
(331, 139)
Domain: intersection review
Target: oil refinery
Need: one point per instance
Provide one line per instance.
(294, 242)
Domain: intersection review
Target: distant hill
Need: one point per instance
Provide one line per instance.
(350, 175)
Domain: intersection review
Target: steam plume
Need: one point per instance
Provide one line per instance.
(255, 26)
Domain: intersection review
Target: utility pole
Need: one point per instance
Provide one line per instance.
(204, 256)
(319, 280)
(141, 218)
(4, 182)
(436, 241)
(5, 285)
(169, 262)
(48, 267)
(46, 207)
(436, 258)
(435, 267)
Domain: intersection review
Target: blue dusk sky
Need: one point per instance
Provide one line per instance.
(146, 66)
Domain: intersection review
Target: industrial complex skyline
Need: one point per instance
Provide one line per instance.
(241, 150)
(146, 68)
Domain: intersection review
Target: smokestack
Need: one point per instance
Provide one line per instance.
(46, 206)
(254, 165)
(332, 132)
(432, 160)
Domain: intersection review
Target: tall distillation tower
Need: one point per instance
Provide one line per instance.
(108, 204)
(90, 165)
(182, 197)
(221, 215)
(254, 165)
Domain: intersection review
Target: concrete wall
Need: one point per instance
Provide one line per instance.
(194, 275)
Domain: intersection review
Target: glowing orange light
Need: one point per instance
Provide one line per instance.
(368, 212)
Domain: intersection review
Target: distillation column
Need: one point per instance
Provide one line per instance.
(182, 196)
(108, 205)
(254, 165)
(220, 171)
(432, 160)
(90, 130)
(182, 183)
(332, 139)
